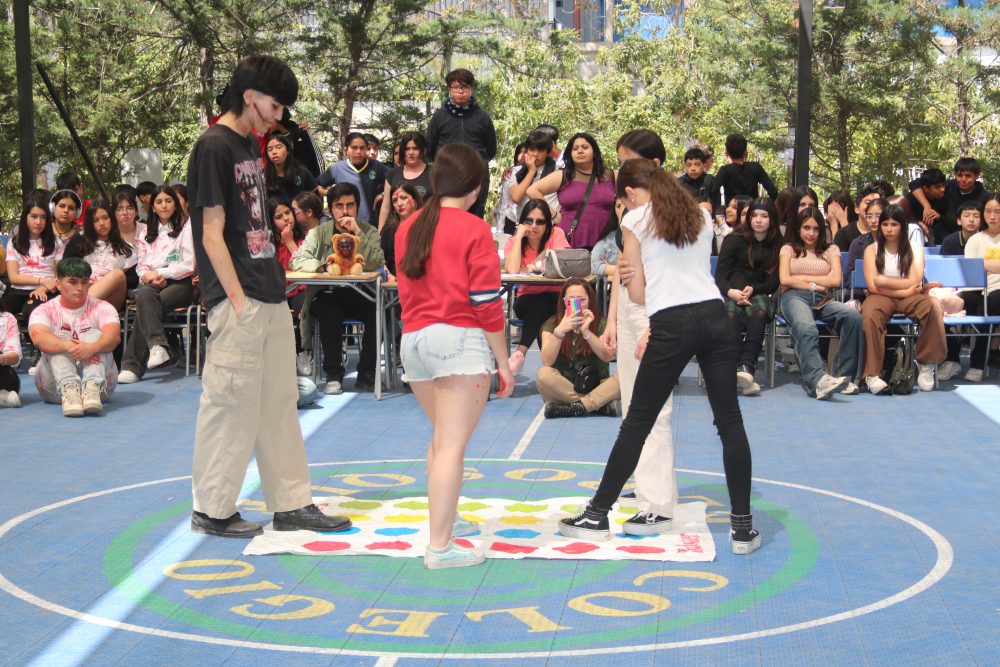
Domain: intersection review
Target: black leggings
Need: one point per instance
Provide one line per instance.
(677, 334)
(974, 306)
(748, 346)
(20, 303)
(533, 310)
(9, 380)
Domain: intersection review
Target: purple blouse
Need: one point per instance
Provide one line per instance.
(595, 213)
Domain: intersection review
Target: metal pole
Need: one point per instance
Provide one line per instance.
(72, 130)
(803, 114)
(25, 104)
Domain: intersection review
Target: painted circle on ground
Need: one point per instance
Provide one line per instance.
(601, 591)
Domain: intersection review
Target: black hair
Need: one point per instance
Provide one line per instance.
(181, 190)
(536, 205)
(351, 136)
(882, 187)
(517, 151)
(794, 238)
(695, 153)
(772, 238)
(736, 146)
(145, 188)
(73, 267)
(271, 205)
(65, 193)
(372, 139)
(291, 167)
(87, 241)
(461, 75)
(121, 188)
(265, 74)
(539, 141)
(970, 164)
(904, 251)
(967, 205)
(932, 176)
(342, 190)
(645, 143)
(417, 138)
(798, 194)
(843, 197)
(176, 222)
(124, 193)
(68, 181)
(550, 130)
(599, 169)
(23, 236)
(311, 201)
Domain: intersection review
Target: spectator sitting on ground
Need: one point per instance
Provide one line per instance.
(102, 247)
(76, 334)
(10, 357)
(575, 379)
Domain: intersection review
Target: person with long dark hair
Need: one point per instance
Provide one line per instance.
(521, 252)
(414, 171)
(32, 254)
(102, 247)
(747, 276)
(668, 241)
(449, 289)
(403, 200)
(130, 228)
(285, 176)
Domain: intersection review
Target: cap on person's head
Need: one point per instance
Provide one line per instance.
(265, 74)
(73, 267)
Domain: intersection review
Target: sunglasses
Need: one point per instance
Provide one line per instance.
(534, 221)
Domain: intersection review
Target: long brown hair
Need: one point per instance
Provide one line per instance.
(458, 169)
(677, 219)
(567, 348)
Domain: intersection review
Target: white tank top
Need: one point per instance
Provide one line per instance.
(891, 269)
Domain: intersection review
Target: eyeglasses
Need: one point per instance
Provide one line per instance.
(459, 87)
(124, 209)
(534, 221)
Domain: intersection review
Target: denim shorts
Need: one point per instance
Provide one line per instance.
(441, 350)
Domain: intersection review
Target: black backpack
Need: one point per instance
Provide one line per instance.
(902, 377)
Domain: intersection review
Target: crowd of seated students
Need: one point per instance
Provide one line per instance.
(777, 254)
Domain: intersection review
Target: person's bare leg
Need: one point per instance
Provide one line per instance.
(459, 401)
(110, 288)
(424, 391)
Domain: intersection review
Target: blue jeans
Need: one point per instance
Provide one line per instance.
(796, 305)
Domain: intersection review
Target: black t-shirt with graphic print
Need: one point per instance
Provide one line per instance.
(225, 170)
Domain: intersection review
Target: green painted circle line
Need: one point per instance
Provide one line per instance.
(943, 563)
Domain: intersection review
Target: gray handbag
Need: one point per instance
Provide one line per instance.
(567, 263)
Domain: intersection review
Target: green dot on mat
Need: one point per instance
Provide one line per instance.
(360, 504)
(525, 507)
(412, 505)
(472, 507)
(572, 509)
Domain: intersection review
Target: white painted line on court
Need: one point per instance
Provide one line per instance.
(943, 563)
(527, 437)
(79, 641)
(386, 661)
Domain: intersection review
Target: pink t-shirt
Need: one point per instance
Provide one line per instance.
(92, 316)
(809, 264)
(10, 337)
(556, 240)
(35, 264)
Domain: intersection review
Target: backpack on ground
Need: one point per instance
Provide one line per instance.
(902, 377)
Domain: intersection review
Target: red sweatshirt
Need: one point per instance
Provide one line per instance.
(462, 284)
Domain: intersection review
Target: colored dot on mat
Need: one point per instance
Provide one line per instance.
(571, 509)
(406, 518)
(361, 504)
(396, 532)
(504, 547)
(520, 520)
(517, 534)
(394, 546)
(412, 505)
(642, 550)
(634, 537)
(327, 546)
(357, 517)
(472, 507)
(464, 543)
(474, 518)
(353, 530)
(577, 548)
(526, 507)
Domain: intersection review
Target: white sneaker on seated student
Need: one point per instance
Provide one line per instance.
(76, 334)
(10, 357)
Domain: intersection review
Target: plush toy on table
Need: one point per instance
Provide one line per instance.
(345, 260)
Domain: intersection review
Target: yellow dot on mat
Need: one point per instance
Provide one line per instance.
(406, 518)
(515, 520)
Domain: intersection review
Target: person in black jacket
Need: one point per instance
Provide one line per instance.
(747, 277)
(462, 121)
(740, 177)
(695, 179)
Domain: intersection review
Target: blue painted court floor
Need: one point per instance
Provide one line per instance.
(881, 540)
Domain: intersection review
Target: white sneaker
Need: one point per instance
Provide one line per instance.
(948, 370)
(974, 375)
(850, 390)
(33, 370)
(92, 398)
(72, 401)
(304, 363)
(127, 377)
(925, 376)
(829, 384)
(744, 377)
(752, 390)
(158, 355)
(333, 387)
(451, 556)
(9, 399)
(876, 385)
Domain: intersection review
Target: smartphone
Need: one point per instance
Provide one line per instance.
(574, 306)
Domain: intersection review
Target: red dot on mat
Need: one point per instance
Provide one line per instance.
(327, 546)
(577, 548)
(398, 546)
(642, 550)
(506, 548)
(464, 543)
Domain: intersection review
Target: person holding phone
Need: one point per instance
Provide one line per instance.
(575, 380)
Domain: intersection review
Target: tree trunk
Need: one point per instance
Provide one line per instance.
(962, 93)
(206, 81)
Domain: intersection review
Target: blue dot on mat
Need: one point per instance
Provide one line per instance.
(353, 530)
(517, 534)
(634, 537)
(395, 532)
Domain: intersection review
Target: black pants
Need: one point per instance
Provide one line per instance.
(678, 334)
(19, 303)
(151, 305)
(748, 346)
(329, 309)
(9, 380)
(533, 310)
(974, 306)
(479, 207)
(295, 303)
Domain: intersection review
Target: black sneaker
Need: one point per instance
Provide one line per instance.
(647, 523)
(364, 384)
(745, 540)
(591, 524)
(561, 410)
(310, 517)
(234, 526)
